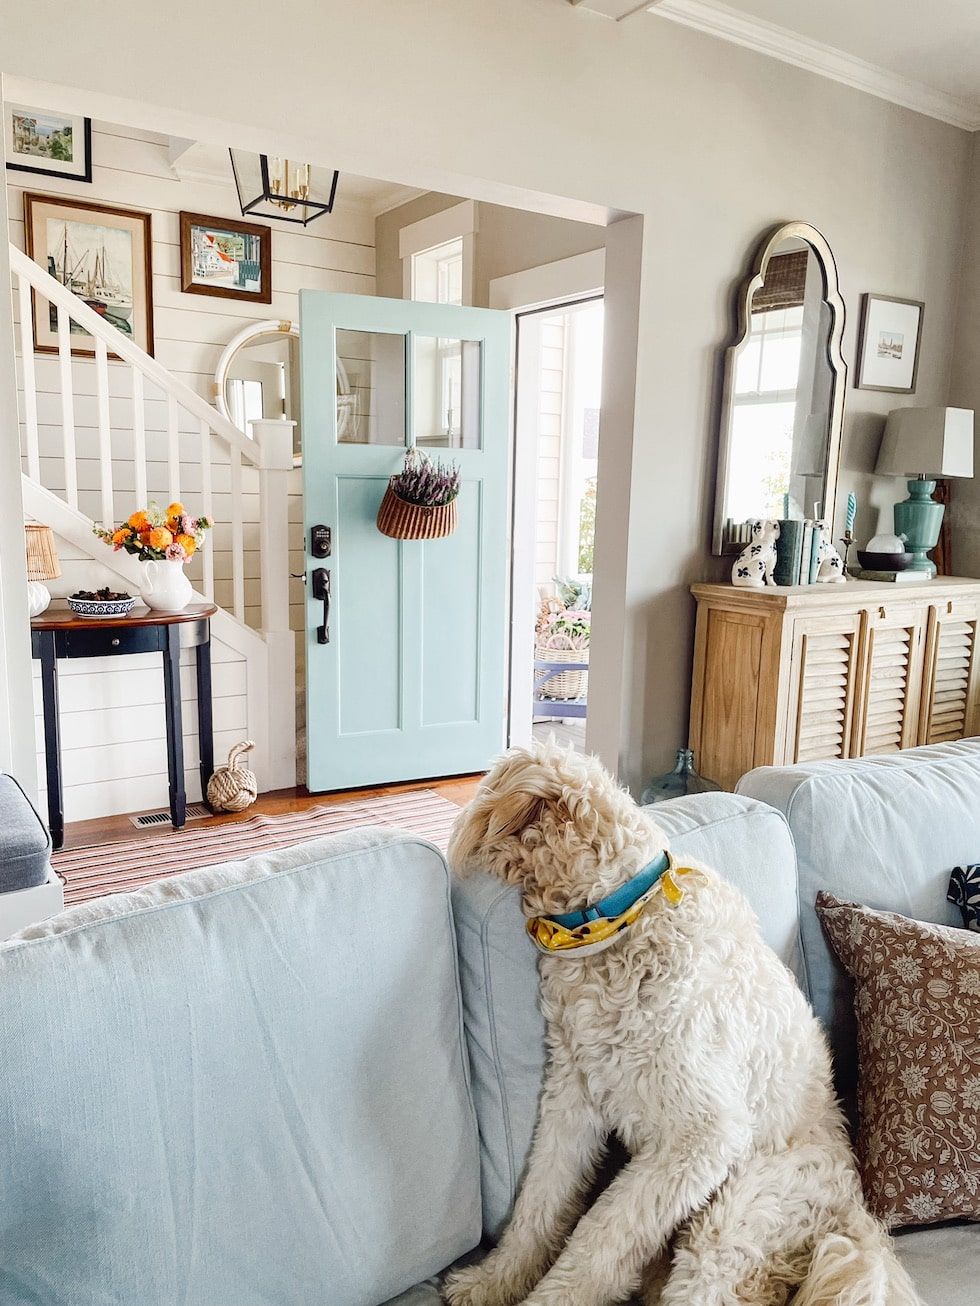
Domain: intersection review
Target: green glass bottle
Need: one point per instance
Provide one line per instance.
(684, 779)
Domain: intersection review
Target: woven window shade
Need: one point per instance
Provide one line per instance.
(785, 283)
(42, 556)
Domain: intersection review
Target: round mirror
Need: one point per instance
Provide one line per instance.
(258, 377)
(783, 396)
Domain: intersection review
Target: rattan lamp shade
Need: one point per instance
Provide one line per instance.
(42, 556)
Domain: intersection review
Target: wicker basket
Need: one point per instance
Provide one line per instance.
(564, 684)
(402, 520)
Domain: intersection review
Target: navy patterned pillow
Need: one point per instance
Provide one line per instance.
(964, 890)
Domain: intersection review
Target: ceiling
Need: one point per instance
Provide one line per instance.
(200, 161)
(936, 42)
(924, 54)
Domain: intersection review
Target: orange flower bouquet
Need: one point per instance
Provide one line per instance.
(157, 535)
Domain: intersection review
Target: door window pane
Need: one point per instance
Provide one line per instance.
(373, 409)
(447, 393)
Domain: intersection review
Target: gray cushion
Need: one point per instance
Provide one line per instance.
(246, 1084)
(748, 843)
(25, 845)
(883, 831)
(942, 1263)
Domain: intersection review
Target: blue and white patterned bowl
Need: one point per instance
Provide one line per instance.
(97, 608)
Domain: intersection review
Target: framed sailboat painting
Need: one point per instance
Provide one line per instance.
(103, 255)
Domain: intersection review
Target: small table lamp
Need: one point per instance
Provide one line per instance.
(925, 443)
(42, 564)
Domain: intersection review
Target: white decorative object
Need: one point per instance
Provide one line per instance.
(755, 565)
(165, 588)
(830, 565)
(885, 544)
(38, 598)
(233, 787)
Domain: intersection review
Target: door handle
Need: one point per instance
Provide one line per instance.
(321, 592)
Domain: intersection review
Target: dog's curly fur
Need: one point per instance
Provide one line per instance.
(690, 1041)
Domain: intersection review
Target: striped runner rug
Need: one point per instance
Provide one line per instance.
(130, 863)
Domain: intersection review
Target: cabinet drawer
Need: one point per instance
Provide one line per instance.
(100, 642)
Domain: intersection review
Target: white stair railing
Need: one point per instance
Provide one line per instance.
(218, 442)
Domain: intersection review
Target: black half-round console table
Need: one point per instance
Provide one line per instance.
(60, 634)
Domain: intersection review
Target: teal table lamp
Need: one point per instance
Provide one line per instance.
(925, 444)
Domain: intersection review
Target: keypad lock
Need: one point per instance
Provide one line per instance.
(320, 541)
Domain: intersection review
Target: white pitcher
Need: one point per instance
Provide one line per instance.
(165, 587)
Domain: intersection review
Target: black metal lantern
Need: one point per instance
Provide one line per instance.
(273, 186)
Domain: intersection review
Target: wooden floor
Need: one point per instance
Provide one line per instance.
(107, 829)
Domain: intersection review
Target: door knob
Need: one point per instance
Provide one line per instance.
(321, 592)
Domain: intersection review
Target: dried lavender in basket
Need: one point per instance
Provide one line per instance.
(427, 482)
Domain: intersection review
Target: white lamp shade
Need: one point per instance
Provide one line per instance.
(927, 442)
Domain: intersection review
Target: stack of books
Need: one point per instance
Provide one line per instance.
(796, 552)
(910, 577)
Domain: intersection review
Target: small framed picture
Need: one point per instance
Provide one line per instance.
(224, 257)
(50, 144)
(889, 342)
(103, 255)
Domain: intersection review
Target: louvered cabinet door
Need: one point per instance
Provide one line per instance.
(822, 686)
(887, 706)
(951, 681)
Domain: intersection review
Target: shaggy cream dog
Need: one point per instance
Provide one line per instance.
(689, 1040)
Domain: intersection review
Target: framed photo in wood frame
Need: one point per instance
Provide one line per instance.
(889, 342)
(47, 143)
(103, 255)
(225, 257)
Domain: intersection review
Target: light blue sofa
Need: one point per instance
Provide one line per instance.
(306, 1080)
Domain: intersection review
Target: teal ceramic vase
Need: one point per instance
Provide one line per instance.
(919, 518)
(684, 779)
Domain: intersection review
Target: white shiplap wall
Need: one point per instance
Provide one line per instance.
(108, 710)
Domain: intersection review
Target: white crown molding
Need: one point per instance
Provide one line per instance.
(779, 43)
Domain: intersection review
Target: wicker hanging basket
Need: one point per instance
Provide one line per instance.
(402, 520)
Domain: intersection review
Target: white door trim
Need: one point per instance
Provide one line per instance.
(551, 283)
(562, 282)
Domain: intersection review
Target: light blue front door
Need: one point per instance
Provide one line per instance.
(405, 674)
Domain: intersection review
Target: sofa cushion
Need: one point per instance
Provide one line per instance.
(246, 1084)
(25, 845)
(883, 831)
(917, 1001)
(942, 1262)
(748, 843)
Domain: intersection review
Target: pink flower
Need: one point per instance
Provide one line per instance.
(175, 553)
(188, 525)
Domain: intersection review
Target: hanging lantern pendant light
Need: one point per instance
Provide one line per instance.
(274, 186)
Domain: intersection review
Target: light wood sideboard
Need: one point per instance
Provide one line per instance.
(804, 673)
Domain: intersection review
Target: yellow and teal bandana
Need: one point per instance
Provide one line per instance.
(581, 933)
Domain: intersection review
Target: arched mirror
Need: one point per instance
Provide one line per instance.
(258, 376)
(783, 398)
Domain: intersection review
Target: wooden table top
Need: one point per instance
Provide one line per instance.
(62, 618)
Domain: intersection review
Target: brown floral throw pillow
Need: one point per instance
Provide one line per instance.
(917, 1002)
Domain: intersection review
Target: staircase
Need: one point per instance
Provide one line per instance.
(103, 434)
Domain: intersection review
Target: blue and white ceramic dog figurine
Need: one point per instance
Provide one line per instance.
(755, 565)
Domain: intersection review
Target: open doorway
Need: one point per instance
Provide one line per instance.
(558, 395)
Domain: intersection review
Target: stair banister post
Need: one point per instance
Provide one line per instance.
(274, 438)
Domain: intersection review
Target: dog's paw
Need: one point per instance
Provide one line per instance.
(473, 1286)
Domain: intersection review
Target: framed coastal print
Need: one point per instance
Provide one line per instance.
(101, 254)
(52, 144)
(225, 257)
(889, 343)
